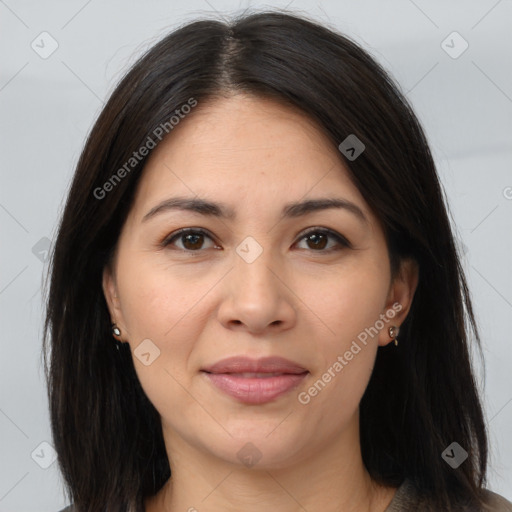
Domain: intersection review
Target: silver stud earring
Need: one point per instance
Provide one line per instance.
(116, 330)
(393, 333)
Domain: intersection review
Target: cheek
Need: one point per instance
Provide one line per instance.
(157, 306)
(157, 300)
(346, 358)
(160, 306)
(348, 301)
(349, 306)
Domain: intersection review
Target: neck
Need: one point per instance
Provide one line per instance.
(332, 478)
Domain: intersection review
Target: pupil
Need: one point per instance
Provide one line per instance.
(189, 237)
(314, 238)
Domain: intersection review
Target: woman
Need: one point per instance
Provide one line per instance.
(256, 300)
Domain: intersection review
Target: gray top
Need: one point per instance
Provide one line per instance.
(406, 500)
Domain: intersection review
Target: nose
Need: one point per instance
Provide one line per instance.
(257, 297)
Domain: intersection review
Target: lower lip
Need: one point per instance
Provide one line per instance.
(252, 390)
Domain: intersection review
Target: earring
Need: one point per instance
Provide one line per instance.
(393, 333)
(116, 330)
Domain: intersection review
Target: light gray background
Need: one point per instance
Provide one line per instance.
(49, 105)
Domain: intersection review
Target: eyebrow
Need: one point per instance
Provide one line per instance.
(290, 210)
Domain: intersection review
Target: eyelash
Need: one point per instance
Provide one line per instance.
(341, 240)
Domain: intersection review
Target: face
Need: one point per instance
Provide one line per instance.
(254, 278)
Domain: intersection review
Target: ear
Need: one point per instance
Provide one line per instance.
(400, 297)
(114, 305)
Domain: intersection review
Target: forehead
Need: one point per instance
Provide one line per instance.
(240, 126)
(245, 148)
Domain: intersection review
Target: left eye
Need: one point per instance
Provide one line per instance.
(192, 239)
(319, 239)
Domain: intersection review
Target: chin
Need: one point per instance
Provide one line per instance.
(259, 451)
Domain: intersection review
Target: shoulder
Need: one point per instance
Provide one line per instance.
(407, 498)
(497, 503)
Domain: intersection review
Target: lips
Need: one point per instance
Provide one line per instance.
(253, 381)
(266, 365)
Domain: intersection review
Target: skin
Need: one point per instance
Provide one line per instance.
(295, 300)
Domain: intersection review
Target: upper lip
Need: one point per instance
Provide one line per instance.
(242, 364)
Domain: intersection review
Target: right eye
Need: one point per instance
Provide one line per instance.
(192, 239)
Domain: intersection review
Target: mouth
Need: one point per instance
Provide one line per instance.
(255, 388)
(264, 365)
(255, 382)
(262, 375)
